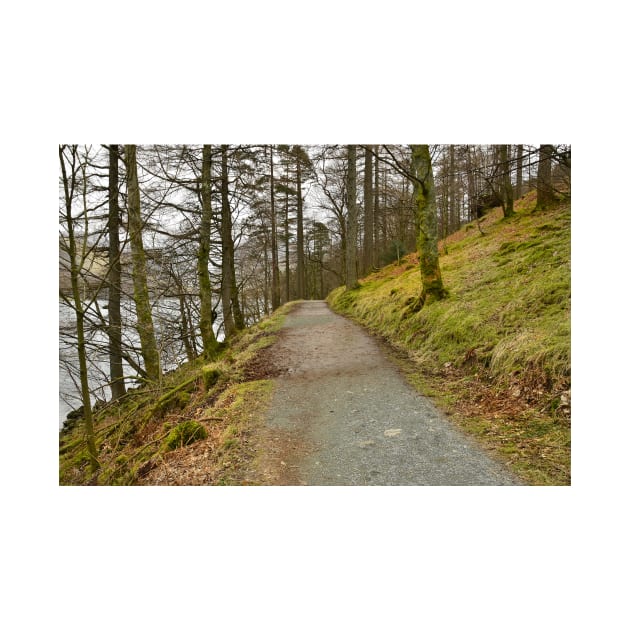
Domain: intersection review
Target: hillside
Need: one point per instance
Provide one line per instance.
(495, 355)
(198, 427)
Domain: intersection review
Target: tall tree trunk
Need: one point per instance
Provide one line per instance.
(452, 201)
(377, 215)
(442, 208)
(227, 250)
(351, 244)
(185, 329)
(368, 228)
(401, 235)
(426, 225)
(506, 188)
(275, 271)
(267, 274)
(239, 320)
(472, 190)
(383, 210)
(75, 268)
(114, 329)
(146, 330)
(206, 317)
(229, 285)
(191, 332)
(321, 282)
(519, 171)
(543, 181)
(287, 266)
(301, 289)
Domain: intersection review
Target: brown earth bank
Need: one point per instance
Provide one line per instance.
(508, 421)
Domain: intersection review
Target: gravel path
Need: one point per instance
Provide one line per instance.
(342, 414)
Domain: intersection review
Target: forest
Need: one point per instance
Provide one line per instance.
(169, 252)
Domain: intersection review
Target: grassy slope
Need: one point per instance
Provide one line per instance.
(132, 436)
(496, 353)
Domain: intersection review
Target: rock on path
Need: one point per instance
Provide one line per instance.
(342, 414)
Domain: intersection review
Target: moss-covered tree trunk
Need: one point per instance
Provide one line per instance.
(114, 329)
(352, 229)
(232, 317)
(146, 331)
(507, 194)
(206, 319)
(545, 195)
(426, 224)
(69, 185)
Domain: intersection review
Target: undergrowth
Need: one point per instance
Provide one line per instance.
(198, 407)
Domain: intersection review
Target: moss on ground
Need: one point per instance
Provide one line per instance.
(184, 434)
(503, 332)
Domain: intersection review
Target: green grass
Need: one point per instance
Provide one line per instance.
(242, 407)
(505, 324)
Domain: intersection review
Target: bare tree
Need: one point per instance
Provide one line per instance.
(232, 316)
(377, 213)
(368, 220)
(145, 326)
(302, 162)
(507, 196)
(114, 329)
(275, 271)
(519, 171)
(545, 193)
(206, 317)
(351, 250)
(76, 260)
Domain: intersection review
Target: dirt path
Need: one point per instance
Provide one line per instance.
(342, 414)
